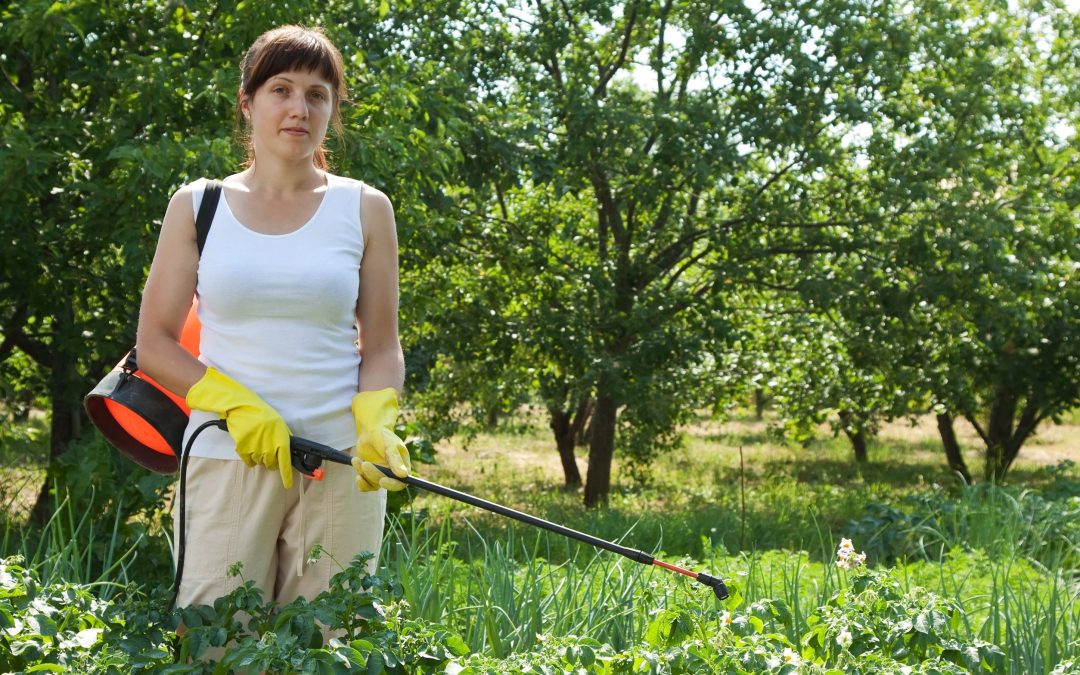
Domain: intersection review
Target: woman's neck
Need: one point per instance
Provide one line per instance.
(277, 178)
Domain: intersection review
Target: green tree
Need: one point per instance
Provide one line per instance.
(89, 103)
(941, 274)
(675, 148)
(106, 110)
(969, 283)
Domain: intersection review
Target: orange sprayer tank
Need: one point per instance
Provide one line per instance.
(141, 418)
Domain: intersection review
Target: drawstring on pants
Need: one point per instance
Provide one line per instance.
(301, 484)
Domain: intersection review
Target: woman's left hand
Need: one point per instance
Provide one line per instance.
(376, 443)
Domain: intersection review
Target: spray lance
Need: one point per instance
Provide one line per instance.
(308, 456)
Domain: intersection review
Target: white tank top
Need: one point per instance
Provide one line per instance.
(278, 315)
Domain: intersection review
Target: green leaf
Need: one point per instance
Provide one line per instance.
(456, 645)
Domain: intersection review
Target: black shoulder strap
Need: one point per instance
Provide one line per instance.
(211, 195)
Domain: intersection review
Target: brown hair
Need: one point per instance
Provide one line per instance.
(290, 48)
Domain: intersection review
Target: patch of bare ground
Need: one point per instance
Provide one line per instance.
(532, 458)
(1051, 443)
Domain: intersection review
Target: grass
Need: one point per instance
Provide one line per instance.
(72, 548)
(1007, 556)
(695, 495)
(23, 455)
(505, 597)
(999, 553)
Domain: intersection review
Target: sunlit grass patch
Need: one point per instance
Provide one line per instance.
(24, 452)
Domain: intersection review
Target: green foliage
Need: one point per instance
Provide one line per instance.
(23, 453)
(64, 625)
(106, 526)
(1003, 522)
(894, 630)
(518, 601)
(945, 234)
(873, 624)
(48, 627)
(878, 614)
(106, 111)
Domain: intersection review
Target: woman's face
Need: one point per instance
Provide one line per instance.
(289, 114)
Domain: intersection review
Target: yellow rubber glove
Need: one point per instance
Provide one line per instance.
(376, 443)
(261, 436)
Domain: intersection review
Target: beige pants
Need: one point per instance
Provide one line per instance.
(240, 514)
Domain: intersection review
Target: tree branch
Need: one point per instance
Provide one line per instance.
(978, 429)
(609, 216)
(772, 179)
(658, 60)
(608, 71)
(690, 262)
(673, 252)
(512, 226)
(1029, 419)
(11, 327)
(35, 349)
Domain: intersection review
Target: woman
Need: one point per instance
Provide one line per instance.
(296, 259)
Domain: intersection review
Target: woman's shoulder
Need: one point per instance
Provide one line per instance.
(193, 188)
(354, 184)
(372, 199)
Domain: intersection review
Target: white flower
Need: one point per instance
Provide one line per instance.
(725, 619)
(791, 657)
(846, 557)
(844, 639)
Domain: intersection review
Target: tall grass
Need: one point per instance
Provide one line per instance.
(505, 593)
(73, 547)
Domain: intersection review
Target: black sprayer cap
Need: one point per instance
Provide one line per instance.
(715, 583)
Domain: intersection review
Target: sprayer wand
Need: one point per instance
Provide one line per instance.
(307, 456)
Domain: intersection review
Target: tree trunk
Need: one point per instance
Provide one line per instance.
(601, 449)
(952, 447)
(562, 425)
(1000, 452)
(64, 426)
(759, 403)
(855, 435)
(1025, 427)
(584, 424)
(66, 390)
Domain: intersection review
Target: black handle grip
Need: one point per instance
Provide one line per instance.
(307, 455)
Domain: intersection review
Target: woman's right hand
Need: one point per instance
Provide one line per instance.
(261, 435)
